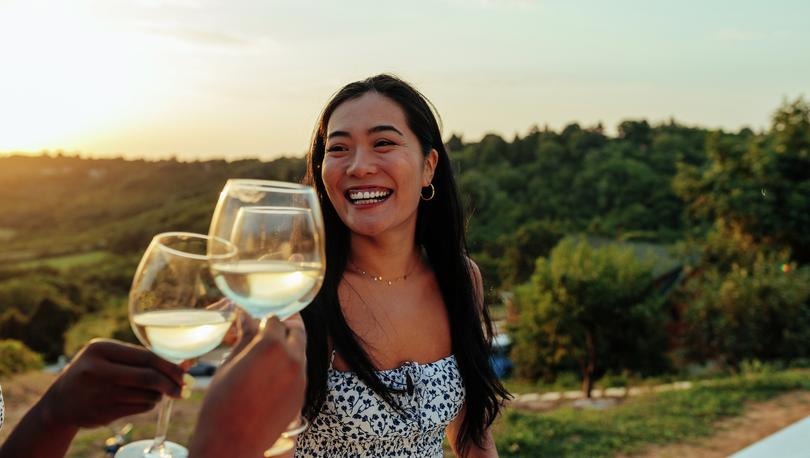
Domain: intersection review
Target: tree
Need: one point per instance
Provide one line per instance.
(455, 143)
(755, 308)
(591, 305)
(760, 185)
(522, 248)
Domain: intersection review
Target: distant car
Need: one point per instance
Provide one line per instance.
(202, 369)
(501, 364)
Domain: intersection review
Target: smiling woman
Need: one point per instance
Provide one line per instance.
(66, 75)
(398, 337)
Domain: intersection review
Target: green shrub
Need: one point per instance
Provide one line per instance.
(16, 358)
(591, 308)
(759, 309)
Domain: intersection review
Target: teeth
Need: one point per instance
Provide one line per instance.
(355, 195)
(367, 201)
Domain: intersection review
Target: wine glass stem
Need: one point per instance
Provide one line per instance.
(162, 425)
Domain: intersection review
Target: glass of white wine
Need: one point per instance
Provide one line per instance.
(277, 229)
(177, 312)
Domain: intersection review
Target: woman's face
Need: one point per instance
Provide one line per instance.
(374, 169)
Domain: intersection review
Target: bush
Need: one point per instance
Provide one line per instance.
(16, 358)
(757, 310)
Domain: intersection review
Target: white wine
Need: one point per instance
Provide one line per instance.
(263, 288)
(179, 335)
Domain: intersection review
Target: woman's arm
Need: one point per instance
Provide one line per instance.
(473, 451)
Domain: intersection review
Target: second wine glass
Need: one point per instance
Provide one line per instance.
(278, 232)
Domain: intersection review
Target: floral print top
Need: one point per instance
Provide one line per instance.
(356, 422)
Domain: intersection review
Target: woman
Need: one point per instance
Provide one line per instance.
(397, 352)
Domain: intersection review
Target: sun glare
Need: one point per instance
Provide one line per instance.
(66, 74)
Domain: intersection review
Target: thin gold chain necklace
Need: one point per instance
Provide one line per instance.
(379, 278)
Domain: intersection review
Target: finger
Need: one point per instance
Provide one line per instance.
(188, 364)
(295, 321)
(232, 335)
(131, 355)
(297, 343)
(125, 410)
(272, 328)
(247, 325)
(145, 378)
(222, 304)
(128, 395)
(247, 332)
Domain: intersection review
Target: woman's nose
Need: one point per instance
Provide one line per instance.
(363, 163)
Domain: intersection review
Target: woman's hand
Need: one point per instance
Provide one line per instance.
(106, 380)
(255, 395)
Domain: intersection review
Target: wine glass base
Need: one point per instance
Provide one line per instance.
(138, 449)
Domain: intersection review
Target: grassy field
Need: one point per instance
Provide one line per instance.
(68, 261)
(662, 418)
(649, 420)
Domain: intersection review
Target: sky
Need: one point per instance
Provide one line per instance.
(200, 79)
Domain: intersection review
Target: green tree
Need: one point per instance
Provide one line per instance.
(591, 305)
(522, 248)
(760, 185)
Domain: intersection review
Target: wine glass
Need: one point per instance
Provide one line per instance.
(277, 229)
(176, 311)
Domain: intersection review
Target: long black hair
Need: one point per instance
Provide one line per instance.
(440, 233)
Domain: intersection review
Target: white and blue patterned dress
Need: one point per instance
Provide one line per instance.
(356, 422)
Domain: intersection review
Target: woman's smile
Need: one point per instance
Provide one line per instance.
(374, 167)
(367, 196)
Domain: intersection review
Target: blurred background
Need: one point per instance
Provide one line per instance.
(636, 177)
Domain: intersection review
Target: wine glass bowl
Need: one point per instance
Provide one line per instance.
(279, 268)
(277, 229)
(174, 301)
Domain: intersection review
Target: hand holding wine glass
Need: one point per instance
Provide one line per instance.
(105, 381)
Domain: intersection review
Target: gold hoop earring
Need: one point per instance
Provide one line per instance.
(432, 193)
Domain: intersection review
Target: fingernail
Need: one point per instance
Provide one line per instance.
(186, 392)
(188, 380)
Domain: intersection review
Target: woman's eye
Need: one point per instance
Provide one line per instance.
(336, 149)
(382, 143)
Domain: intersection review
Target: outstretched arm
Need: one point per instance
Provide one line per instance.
(106, 380)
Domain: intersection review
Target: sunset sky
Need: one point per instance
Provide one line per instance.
(216, 78)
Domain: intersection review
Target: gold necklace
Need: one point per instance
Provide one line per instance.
(380, 279)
